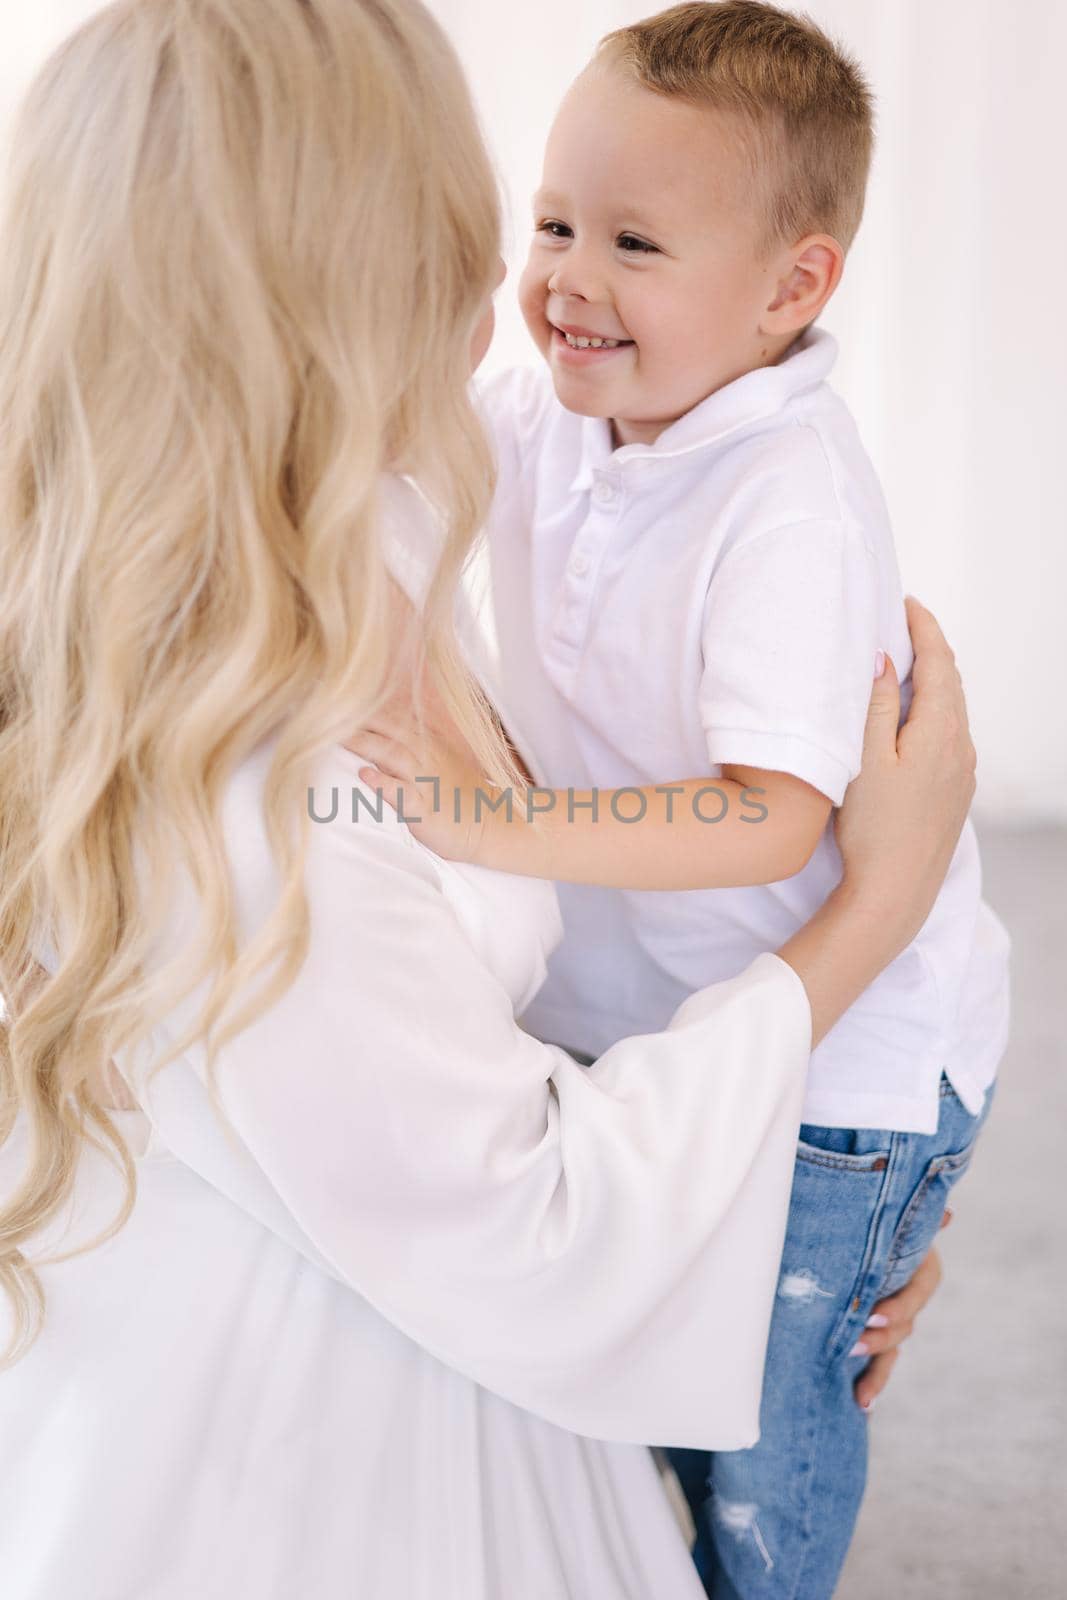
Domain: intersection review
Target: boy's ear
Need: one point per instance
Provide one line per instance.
(811, 272)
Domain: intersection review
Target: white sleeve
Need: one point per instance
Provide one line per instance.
(599, 1246)
(789, 638)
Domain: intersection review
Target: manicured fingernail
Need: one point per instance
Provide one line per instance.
(879, 663)
(867, 1407)
(876, 1320)
(859, 1349)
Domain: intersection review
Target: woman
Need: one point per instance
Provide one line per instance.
(393, 1267)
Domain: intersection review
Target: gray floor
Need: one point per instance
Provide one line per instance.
(968, 1490)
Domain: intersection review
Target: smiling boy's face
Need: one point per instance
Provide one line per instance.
(647, 231)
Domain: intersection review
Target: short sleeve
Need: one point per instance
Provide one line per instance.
(789, 637)
(599, 1246)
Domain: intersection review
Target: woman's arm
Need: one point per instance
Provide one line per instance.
(897, 830)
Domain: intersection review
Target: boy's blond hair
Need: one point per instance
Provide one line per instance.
(803, 98)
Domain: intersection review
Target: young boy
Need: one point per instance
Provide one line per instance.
(692, 573)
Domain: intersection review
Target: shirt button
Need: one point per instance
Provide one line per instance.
(579, 565)
(603, 493)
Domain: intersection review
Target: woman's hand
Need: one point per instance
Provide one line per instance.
(902, 816)
(891, 1322)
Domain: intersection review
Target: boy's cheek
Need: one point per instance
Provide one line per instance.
(533, 298)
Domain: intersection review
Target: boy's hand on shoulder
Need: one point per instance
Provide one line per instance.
(432, 782)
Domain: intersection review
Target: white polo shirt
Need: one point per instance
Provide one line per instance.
(717, 597)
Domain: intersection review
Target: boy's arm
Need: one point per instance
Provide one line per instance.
(748, 827)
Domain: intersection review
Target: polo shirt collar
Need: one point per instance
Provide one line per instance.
(730, 409)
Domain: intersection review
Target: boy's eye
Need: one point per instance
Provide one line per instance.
(555, 230)
(633, 245)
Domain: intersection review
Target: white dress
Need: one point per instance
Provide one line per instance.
(402, 1330)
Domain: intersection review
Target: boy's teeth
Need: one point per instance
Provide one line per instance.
(579, 342)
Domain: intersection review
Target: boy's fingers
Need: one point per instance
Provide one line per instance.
(400, 728)
(388, 754)
(386, 787)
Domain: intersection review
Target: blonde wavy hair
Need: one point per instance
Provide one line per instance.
(245, 247)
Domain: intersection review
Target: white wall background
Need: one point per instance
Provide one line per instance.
(953, 343)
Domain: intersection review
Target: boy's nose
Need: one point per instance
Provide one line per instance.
(573, 280)
(563, 285)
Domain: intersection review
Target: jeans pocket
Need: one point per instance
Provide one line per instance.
(843, 1149)
(921, 1219)
(813, 1158)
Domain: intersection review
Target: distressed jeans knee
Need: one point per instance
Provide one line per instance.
(741, 1518)
(802, 1285)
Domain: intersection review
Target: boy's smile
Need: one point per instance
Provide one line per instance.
(576, 345)
(648, 274)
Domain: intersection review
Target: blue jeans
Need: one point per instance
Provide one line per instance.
(775, 1522)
